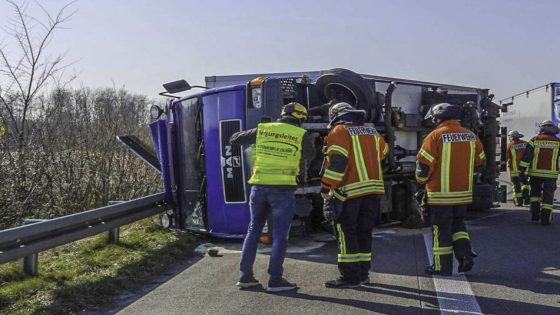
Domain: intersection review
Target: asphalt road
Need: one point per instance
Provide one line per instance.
(517, 272)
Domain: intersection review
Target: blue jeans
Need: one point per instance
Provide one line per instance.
(280, 204)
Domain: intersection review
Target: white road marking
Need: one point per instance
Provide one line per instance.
(454, 294)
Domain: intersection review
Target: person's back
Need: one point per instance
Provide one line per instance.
(446, 164)
(514, 152)
(364, 149)
(456, 150)
(351, 186)
(540, 162)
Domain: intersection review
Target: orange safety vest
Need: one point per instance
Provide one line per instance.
(364, 149)
(514, 153)
(451, 152)
(541, 156)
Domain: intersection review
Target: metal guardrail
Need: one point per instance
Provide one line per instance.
(33, 238)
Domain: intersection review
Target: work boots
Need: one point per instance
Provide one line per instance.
(546, 216)
(535, 211)
(466, 263)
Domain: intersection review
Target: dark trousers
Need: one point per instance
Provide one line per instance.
(542, 198)
(353, 229)
(449, 235)
(520, 190)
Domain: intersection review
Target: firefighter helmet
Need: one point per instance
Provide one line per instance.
(295, 110)
(514, 134)
(548, 127)
(340, 109)
(444, 111)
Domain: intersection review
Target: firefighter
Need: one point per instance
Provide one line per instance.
(514, 152)
(446, 164)
(280, 148)
(540, 163)
(353, 183)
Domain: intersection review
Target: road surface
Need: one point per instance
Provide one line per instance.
(517, 272)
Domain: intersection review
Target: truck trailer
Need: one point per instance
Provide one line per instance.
(525, 111)
(205, 177)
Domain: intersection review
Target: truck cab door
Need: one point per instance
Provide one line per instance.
(187, 152)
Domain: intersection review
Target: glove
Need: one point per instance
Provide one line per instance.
(326, 196)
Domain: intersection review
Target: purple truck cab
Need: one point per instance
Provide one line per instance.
(191, 140)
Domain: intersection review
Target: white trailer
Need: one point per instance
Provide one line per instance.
(524, 112)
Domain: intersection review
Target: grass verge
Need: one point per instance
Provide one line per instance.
(89, 273)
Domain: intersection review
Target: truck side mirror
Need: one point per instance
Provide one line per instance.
(176, 86)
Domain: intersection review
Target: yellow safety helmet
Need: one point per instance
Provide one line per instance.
(295, 110)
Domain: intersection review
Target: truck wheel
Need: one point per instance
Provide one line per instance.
(345, 85)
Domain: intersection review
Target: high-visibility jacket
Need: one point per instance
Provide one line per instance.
(514, 153)
(277, 154)
(353, 162)
(541, 156)
(446, 163)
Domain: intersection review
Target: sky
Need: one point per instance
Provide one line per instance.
(506, 46)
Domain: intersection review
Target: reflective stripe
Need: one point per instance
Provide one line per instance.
(535, 199)
(543, 173)
(535, 159)
(460, 235)
(333, 175)
(361, 184)
(341, 239)
(350, 258)
(482, 156)
(445, 162)
(524, 164)
(455, 201)
(338, 196)
(443, 250)
(435, 244)
(471, 164)
(370, 189)
(554, 160)
(437, 194)
(422, 179)
(513, 160)
(339, 149)
(380, 171)
(358, 157)
(426, 155)
(546, 206)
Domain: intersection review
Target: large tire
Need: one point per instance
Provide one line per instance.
(363, 95)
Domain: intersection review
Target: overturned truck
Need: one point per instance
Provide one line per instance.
(205, 177)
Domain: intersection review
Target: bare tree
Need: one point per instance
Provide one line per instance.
(27, 71)
(27, 68)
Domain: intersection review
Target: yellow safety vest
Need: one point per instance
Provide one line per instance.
(277, 154)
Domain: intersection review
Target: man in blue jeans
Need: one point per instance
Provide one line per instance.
(280, 148)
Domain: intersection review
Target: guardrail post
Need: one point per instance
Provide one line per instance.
(114, 233)
(30, 263)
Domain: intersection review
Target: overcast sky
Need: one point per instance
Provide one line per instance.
(506, 46)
